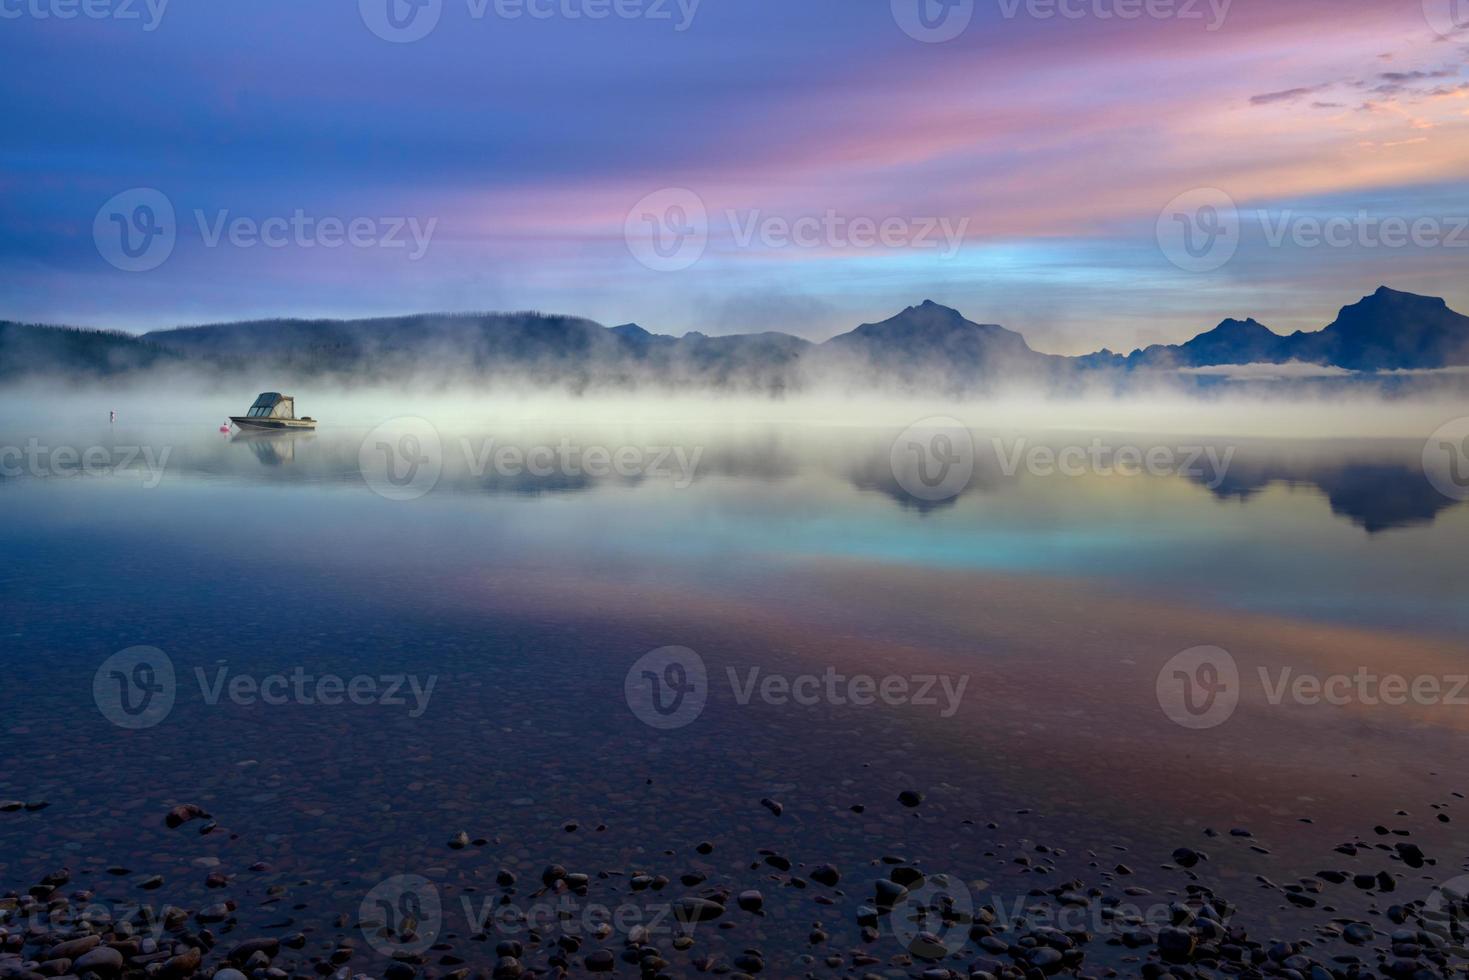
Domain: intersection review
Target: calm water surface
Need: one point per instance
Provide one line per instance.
(784, 549)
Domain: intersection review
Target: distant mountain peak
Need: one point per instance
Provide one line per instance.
(926, 317)
(931, 341)
(1239, 327)
(1388, 294)
(1231, 342)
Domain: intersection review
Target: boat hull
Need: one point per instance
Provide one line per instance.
(269, 423)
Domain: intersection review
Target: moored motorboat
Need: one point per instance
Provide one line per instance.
(272, 410)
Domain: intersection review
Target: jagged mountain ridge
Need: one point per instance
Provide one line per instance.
(926, 347)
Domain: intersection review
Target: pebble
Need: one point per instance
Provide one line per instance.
(71, 949)
(697, 910)
(825, 874)
(889, 893)
(104, 960)
(1186, 857)
(182, 966)
(183, 813)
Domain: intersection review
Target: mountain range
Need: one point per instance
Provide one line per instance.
(928, 348)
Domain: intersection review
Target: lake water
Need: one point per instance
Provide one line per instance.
(599, 645)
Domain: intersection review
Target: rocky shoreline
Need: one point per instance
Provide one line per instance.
(890, 918)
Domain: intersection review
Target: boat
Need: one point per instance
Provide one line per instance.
(272, 410)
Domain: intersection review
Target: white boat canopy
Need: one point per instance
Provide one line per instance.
(272, 405)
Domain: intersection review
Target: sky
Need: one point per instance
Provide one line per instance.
(1092, 173)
